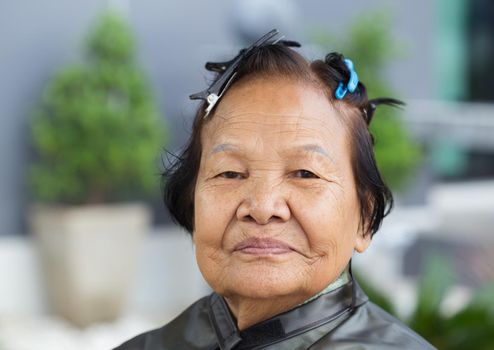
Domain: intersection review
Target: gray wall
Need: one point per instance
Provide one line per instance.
(175, 38)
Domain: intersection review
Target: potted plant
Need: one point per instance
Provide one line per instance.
(96, 136)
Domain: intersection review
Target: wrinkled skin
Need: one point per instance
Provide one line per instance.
(276, 163)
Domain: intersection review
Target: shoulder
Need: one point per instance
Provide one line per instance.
(189, 330)
(373, 328)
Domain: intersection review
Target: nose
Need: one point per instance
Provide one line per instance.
(264, 201)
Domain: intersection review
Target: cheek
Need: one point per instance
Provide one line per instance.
(328, 217)
(207, 236)
(212, 213)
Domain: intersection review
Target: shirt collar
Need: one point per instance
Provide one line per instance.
(341, 280)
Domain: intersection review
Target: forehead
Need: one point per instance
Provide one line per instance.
(274, 112)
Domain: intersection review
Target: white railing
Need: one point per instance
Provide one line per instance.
(469, 124)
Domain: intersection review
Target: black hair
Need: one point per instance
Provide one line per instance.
(375, 198)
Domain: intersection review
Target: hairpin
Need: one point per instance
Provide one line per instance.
(228, 69)
(372, 105)
(352, 82)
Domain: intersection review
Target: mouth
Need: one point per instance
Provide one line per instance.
(262, 246)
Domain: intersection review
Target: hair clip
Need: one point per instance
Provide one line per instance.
(352, 82)
(228, 69)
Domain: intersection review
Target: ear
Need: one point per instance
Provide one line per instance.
(362, 238)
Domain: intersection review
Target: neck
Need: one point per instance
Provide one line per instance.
(249, 311)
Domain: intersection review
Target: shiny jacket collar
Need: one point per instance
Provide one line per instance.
(334, 306)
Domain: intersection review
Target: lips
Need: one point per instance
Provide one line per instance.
(262, 246)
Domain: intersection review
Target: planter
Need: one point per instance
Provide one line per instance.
(89, 257)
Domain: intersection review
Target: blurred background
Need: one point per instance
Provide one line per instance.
(91, 93)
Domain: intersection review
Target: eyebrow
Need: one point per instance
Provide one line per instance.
(318, 149)
(224, 147)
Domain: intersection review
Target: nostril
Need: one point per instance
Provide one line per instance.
(260, 220)
(249, 218)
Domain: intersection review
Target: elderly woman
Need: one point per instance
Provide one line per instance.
(278, 186)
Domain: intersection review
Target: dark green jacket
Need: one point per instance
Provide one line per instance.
(341, 319)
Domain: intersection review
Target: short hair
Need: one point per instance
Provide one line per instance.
(276, 60)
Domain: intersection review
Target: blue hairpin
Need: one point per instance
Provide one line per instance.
(352, 82)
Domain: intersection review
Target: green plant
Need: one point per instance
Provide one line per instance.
(469, 328)
(97, 132)
(371, 47)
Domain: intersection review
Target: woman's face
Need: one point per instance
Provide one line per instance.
(276, 209)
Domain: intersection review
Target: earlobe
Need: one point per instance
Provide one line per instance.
(362, 242)
(362, 238)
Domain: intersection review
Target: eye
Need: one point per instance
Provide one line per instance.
(231, 175)
(305, 174)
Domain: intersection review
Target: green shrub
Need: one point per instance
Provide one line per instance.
(468, 328)
(97, 132)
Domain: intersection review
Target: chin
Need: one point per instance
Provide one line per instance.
(261, 282)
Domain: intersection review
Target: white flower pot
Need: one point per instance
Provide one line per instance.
(89, 256)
